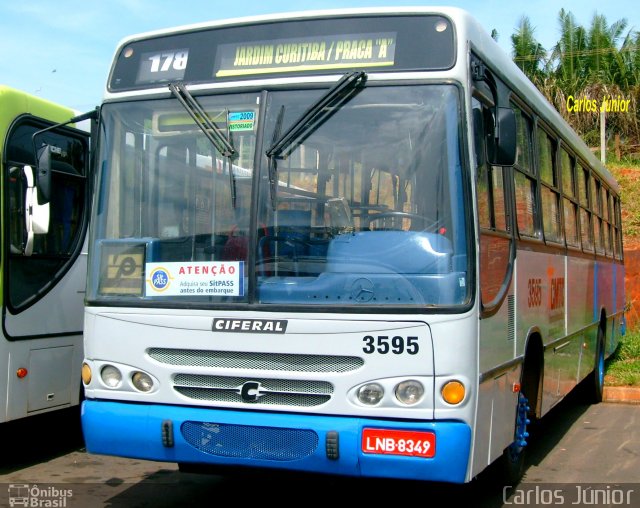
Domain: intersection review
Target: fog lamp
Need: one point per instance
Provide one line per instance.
(142, 381)
(111, 376)
(409, 392)
(370, 394)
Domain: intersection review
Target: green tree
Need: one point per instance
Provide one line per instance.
(603, 59)
(528, 53)
(569, 54)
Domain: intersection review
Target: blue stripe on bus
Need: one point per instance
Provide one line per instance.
(596, 316)
(135, 431)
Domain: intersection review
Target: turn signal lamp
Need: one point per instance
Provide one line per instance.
(22, 372)
(453, 392)
(86, 374)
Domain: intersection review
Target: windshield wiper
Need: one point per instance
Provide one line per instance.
(318, 113)
(202, 120)
(208, 128)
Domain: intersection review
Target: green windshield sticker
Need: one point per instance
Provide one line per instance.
(241, 121)
(306, 54)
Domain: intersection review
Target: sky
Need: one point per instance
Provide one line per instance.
(61, 50)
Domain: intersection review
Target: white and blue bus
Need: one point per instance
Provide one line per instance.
(43, 261)
(354, 242)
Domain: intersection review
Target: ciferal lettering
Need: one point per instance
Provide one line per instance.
(249, 325)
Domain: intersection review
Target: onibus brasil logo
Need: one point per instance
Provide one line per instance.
(38, 496)
(160, 279)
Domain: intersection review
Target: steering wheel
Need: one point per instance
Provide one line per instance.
(428, 224)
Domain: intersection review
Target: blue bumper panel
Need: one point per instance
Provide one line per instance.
(282, 441)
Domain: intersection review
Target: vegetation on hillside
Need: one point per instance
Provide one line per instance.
(596, 63)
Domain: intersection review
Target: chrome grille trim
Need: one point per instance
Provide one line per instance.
(289, 392)
(276, 385)
(269, 399)
(255, 361)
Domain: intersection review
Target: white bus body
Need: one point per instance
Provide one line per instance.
(380, 286)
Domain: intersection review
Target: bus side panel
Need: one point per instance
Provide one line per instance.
(547, 300)
(564, 357)
(605, 281)
(496, 419)
(53, 362)
(617, 327)
(496, 399)
(53, 378)
(59, 311)
(580, 295)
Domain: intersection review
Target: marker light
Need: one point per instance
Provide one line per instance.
(110, 376)
(453, 392)
(409, 392)
(86, 374)
(142, 381)
(370, 394)
(441, 26)
(22, 372)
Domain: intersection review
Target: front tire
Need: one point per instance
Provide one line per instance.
(513, 457)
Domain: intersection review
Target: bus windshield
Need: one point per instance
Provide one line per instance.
(365, 206)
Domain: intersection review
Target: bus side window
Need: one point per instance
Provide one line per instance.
(495, 238)
(551, 218)
(527, 210)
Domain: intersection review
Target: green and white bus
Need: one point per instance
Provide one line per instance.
(355, 242)
(43, 261)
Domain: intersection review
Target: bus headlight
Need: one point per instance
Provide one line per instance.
(111, 376)
(86, 373)
(453, 392)
(142, 381)
(370, 394)
(409, 392)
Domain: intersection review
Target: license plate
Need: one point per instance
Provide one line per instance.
(399, 442)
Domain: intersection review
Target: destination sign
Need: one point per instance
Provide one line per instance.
(289, 47)
(305, 54)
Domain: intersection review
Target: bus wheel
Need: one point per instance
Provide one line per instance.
(596, 385)
(514, 454)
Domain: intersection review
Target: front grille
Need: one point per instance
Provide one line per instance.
(289, 392)
(247, 441)
(256, 361)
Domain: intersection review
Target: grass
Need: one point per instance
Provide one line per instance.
(623, 368)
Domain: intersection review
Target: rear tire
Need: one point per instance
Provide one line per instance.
(595, 387)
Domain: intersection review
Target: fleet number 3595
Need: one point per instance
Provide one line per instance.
(384, 344)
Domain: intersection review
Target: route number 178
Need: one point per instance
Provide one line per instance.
(162, 62)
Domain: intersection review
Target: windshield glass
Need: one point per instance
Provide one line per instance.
(365, 207)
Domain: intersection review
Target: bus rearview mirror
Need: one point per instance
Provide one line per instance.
(43, 175)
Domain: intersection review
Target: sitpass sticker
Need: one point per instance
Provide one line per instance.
(194, 279)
